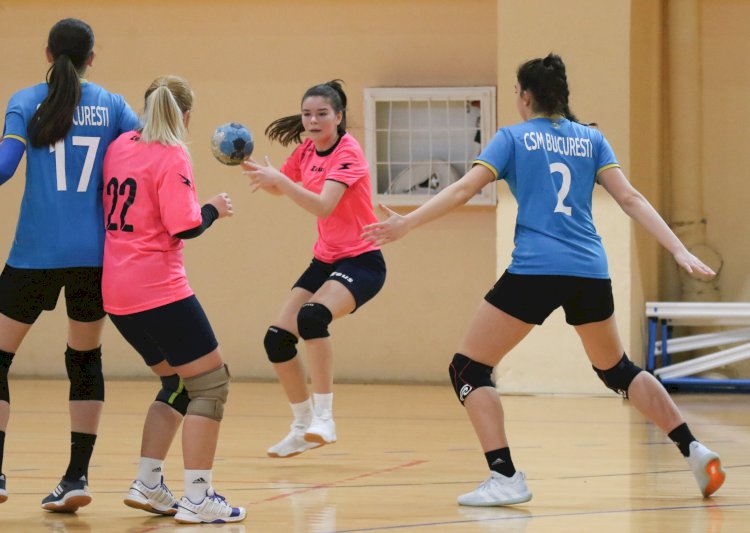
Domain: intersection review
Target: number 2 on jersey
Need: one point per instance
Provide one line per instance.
(116, 190)
(91, 144)
(564, 171)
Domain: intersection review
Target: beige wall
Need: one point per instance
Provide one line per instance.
(251, 61)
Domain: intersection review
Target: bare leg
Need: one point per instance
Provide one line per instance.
(162, 422)
(604, 349)
(339, 302)
(491, 335)
(291, 373)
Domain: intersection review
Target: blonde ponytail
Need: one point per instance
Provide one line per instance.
(168, 98)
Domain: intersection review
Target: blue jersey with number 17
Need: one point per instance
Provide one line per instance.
(60, 223)
(551, 167)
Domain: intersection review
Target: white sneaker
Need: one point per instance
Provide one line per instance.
(214, 509)
(706, 467)
(321, 431)
(498, 490)
(293, 444)
(158, 499)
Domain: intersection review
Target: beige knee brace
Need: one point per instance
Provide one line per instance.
(208, 393)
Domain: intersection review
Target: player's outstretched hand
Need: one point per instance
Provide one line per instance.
(223, 204)
(391, 229)
(262, 176)
(692, 264)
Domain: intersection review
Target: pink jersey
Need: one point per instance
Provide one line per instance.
(149, 196)
(338, 233)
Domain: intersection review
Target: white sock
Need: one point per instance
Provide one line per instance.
(197, 482)
(150, 471)
(302, 412)
(323, 405)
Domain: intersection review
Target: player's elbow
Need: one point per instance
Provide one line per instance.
(632, 201)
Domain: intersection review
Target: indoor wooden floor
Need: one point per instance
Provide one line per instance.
(404, 454)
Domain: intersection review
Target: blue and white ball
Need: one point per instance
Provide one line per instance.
(232, 143)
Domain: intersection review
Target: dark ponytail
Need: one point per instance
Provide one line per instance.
(289, 129)
(547, 81)
(70, 43)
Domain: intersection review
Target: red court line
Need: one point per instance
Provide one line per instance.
(337, 482)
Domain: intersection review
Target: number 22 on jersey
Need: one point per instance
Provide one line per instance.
(118, 190)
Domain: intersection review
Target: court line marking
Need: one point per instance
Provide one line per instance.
(318, 486)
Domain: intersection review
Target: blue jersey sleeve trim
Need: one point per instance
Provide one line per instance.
(486, 164)
(11, 152)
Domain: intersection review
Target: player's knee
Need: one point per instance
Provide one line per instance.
(173, 393)
(468, 375)
(85, 374)
(619, 377)
(280, 344)
(208, 393)
(6, 358)
(313, 320)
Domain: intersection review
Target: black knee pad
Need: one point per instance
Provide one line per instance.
(312, 321)
(6, 358)
(619, 377)
(467, 375)
(173, 393)
(85, 374)
(280, 344)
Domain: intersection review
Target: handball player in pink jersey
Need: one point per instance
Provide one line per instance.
(328, 176)
(150, 206)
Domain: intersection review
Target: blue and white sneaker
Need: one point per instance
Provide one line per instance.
(214, 509)
(3, 492)
(157, 500)
(68, 496)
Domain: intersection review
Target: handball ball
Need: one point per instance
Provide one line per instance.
(231, 143)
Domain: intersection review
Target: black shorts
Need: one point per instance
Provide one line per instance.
(533, 298)
(26, 292)
(178, 333)
(363, 275)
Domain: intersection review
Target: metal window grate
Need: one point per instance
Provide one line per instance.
(420, 140)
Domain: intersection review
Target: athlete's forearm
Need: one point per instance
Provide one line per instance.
(11, 152)
(456, 194)
(209, 214)
(640, 210)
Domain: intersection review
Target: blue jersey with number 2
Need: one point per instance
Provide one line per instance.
(551, 167)
(60, 223)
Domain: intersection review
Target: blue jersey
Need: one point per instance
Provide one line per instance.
(551, 167)
(61, 222)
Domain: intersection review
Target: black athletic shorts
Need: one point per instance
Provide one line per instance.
(26, 292)
(363, 275)
(178, 333)
(533, 298)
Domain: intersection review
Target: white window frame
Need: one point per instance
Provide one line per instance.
(487, 128)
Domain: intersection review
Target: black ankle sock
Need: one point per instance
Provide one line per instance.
(499, 461)
(682, 437)
(2, 449)
(81, 448)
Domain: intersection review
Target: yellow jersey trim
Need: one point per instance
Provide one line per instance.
(486, 164)
(605, 167)
(16, 137)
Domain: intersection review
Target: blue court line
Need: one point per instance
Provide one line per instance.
(540, 516)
